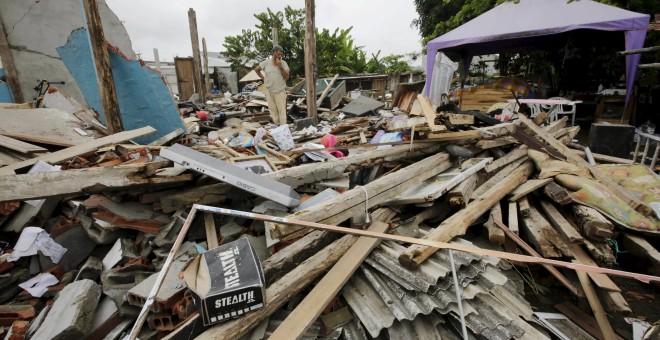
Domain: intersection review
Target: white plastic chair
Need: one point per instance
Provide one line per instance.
(535, 109)
(556, 110)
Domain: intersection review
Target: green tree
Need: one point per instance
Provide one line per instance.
(336, 51)
(337, 54)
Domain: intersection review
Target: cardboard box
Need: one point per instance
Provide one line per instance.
(226, 281)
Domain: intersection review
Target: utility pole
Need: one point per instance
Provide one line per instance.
(273, 30)
(205, 54)
(310, 59)
(197, 64)
(107, 90)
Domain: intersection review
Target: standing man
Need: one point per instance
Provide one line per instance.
(276, 72)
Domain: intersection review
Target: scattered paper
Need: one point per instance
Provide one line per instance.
(39, 284)
(34, 239)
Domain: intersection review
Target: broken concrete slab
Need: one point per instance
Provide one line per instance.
(362, 106)
(72, 313)
(33, 51)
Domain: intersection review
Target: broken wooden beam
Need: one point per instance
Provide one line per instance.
(557, 193)
(352, 202)
(593, 223)
(528, 187)
(544, 238)
(80, 181)
(495, 235)
(461, 194)
(458, 223)
(596, 307)
(316, 300)
(558, 275)
(560, 223)
(62, 155)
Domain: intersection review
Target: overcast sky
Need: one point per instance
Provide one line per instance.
(163, 24)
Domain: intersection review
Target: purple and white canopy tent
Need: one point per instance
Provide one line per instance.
(512, 27)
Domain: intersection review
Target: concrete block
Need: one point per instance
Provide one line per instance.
(72, 313)
(9, 283)
(91, 270)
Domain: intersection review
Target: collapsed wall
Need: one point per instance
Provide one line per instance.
(34, 28)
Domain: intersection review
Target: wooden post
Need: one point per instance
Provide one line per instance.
(276, 40)
(310, 59)
(107, 90)
(8, 65)
(197, 73)
(205, 55)
(157, 59)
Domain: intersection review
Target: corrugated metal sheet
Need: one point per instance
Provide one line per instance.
(385, 295)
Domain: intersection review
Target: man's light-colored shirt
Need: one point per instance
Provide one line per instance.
(273, 78)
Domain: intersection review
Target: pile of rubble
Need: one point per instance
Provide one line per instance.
(88, 230)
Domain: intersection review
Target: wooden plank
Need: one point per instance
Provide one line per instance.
(311, 307)
(602, 281)
(429, 113)
(498, 177)
(458, 135)
(580, 162)
(461, 194)
(211, 232)
(200, 88)
(557, 193)
(596, 307)
(352, 202)
(77, 181)
(205, 59)
(528, 187)
(327, 90)
(594, 224)
(495, 143)
(515, 154)
(17, 145)
(106, 82)
(310, 58)
(167, 138)
(7, 61)
(560, 223)
(495, 234)
(513, 217)
(87, 117)
(544, 238)
(43, 125)
(73, 151)
(524, 207)
(458, 223)
(509, 233)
